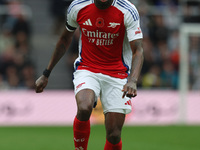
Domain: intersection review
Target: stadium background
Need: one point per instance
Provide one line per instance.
(166, 112)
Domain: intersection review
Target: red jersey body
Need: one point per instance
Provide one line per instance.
(104, 39)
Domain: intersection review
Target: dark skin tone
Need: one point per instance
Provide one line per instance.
(85, 98)
(129, 89)
(103, 4)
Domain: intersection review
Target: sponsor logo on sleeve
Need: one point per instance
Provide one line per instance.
(138, 31)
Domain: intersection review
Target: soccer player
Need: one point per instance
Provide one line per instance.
(109, 63)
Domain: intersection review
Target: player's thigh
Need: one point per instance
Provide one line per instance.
(86, 87)
(85, 99)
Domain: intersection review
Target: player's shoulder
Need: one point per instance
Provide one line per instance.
(124, 4)
(78, 4)
(127, 8)
(124, 1)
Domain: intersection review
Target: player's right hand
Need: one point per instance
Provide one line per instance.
(130, 89)
(40, 84)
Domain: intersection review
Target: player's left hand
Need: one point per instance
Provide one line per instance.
(130, 89)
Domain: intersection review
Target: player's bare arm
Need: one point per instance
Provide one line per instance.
(130, 89)
(61, 47)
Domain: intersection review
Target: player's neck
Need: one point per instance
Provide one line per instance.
(103, 4)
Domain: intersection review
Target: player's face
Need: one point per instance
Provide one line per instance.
(103, 4)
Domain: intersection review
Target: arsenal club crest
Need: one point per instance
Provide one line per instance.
(100, 22)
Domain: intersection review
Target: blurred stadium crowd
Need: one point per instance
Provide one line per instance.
(160, 22)
(16, 68)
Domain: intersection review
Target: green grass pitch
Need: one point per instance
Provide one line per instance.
(133, 138)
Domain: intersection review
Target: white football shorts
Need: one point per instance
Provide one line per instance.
(108, 88)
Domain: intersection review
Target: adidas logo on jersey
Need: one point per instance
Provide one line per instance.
(87, 22)
(128, 103)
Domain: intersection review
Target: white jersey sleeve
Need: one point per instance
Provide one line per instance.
(132, 22)
(132, 25)
(71, 23)
(72, 13)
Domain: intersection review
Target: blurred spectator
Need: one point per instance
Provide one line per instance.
(175, 59)
(169, 76)
(12, 76)
(173, 41)
(21, 25)
(152, 78)
(6, 40)
(148, 55)
(22, 44)
(14, 10)
(15, 66)
(172, 17)
(28, 76)
(191, 11)
(157, 29)
(16, 22)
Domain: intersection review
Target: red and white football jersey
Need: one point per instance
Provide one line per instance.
(105, 34)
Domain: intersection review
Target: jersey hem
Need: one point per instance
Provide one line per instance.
(109, 74)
